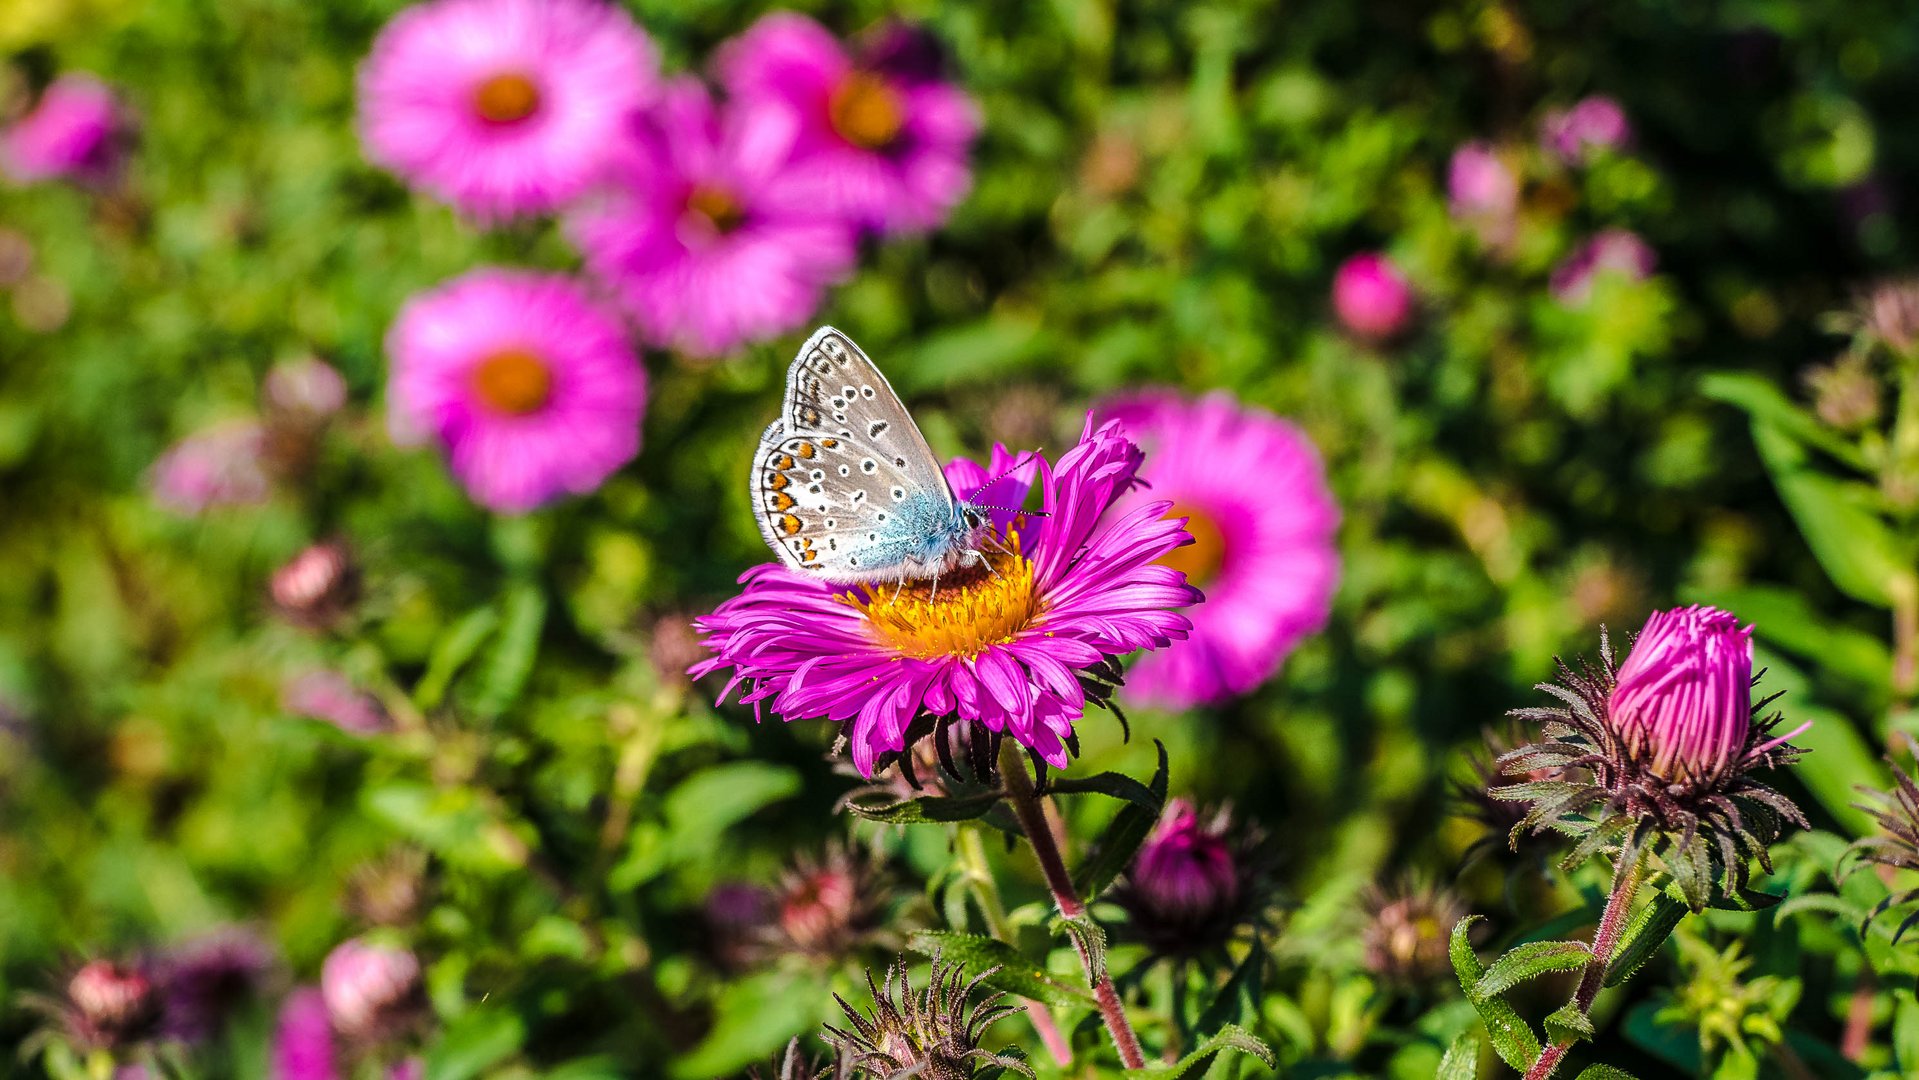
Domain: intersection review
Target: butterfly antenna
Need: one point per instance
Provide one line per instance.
(1018, 464)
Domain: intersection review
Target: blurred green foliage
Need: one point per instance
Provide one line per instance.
(1162, 194)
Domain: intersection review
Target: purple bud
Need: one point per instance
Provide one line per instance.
(303, 1047)
(1613, 251)
(328, 696)
(204, 982)
(1683, 702)
(1190, 885)
(1371, 296)
(1595, 123)
(371, 991)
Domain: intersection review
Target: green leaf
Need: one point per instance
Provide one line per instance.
(1240, 996)
(1116, 785)
(1785, 619)
(1088, 938)
(1643, 936)
(1765, 403)
(1567, 1024)
(927, 809)
(1838, 520)
(1231, 1037)
(450, 822)
(1529, 961)
(1515, 1042)
(1461, 1061)
(473, 1043)
(1116, 846)
(1016, 975)
(451, 653)
(504, 675)
(1603, 1072)
(1905, 1031)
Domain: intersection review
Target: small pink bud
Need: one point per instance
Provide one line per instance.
(371, 990)
(1371, 296)
(1611, 251)
(317, 586)
(328, 696)
(112, 1004)
(1594, 123)
(1479, 184)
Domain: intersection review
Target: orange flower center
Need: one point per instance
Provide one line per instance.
(513, 381)
(983, 605)
(718, 206)
(1200, 560)
(865, 111)
(506, 98)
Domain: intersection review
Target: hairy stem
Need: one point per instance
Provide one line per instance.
(979, 880)
(1612, 923)
(1025, 802)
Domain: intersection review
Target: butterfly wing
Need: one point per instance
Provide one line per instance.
(844, 485)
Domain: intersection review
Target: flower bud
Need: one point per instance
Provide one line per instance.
(1408, 932)
(1845, 393)
(1683, 703)
(391, 890)
(1191, 883)
(933, 1033)
(111, 1004)
(371, 991)
(220, 466)
(317, 587)
(1371, 296)
(329, 697)
(1613, 251)
(1595, 123)
(1479, 186)
(824, 907)
(1891, 311)
(205, 982)
(75, 132)
(307, 390)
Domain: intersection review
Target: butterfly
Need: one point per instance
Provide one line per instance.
(846, 488)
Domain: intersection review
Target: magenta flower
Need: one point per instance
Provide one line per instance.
(703, 234)
(75, 131)
(1009, 647)
(371, 991)
(1254, 496)
(1371, 296)
(882, 138)
(1193, 882)
(1683, 702)
(303, 1047)
(329, 697)
(224, 465)
(530, 388)
(1594, 123)
(1614, 251)
(503, 107)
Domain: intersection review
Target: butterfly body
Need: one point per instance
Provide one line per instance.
(845, 487)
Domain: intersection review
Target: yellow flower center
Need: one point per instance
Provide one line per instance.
(718, 206)
(513, 381)
(983, 605)
(866, 111)
(1200, 560)
(506, 98)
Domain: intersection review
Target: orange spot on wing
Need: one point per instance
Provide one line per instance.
(790, 523)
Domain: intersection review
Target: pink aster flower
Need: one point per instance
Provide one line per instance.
(503, 107)
(1010, 647)
(1613, 251)
(702, 233)
(1254, 494)
(882, 138)
(528, 386)
(224, 465)
(1594, 123)
(303, 1047)
(1371, 296)
(74, 131)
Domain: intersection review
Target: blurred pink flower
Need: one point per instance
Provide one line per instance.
(527, 384)
(1613, 251)
(223, 465)
(1192, 882)
(303, 1047)
(1594, 123)
(372, 991)
(74, 131)
(1371, 296)
(503, 107)
(1482, 191)
(703, 234)
(303, 390)
(1254, 494)
(882, 138)
(331, 697)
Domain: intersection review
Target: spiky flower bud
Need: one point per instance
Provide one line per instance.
(1891, 314)
(391, 890)
(316, 587)
(1659, 752)
(372, 991)
(825, 907)
(792, 1064)
(1407, 932)
(933, 1033)
(110, 1004)
(1846, 393)
(1193, 883)
(1897, 848)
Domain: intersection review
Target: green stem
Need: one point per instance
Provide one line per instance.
(1024, 799)
(1612, 923)
(979, 880)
